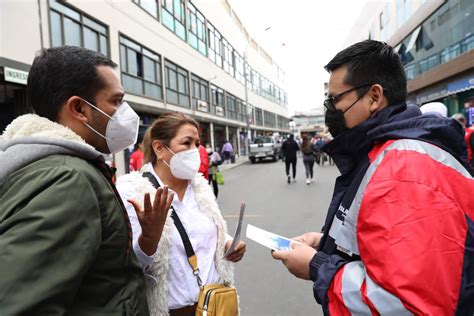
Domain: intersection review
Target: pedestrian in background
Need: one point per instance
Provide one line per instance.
(468, 137)
(215, 161)
(309, 151)
(398, 237)
(289, 149)
(227, 151)
(136, 158)
(172, 162)
(204, 167)
(65, 246)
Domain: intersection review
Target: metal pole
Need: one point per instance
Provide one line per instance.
(247, 105)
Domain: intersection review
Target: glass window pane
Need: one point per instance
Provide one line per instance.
(180, 30)
(104, 48)
(72, 32)
(158, 73)
(183, 100)
(204, 93)
(65, 10)
(181, 83)
(94, 25)
(171, 96)
(133, 65)
(91, 39)
(149, 69)
(172, 84)
(123, 58)
(193, 41)
(168, 20)
(132, 85)
(150, 6)
(177, 9)
(152, 90)
(56, 31)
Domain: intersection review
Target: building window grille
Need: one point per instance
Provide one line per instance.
(215, 45)
(141, 69)
(150, 6)
(177, 84)
(200, 94)
(173, 17)
(71, 27)
(197, 29)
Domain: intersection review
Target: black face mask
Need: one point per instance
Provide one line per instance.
(335, 122)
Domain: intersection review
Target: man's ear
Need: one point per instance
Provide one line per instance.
(377, 100)
(77, 109)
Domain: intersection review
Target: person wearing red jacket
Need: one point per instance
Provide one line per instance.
(399, 233)
(204, 166)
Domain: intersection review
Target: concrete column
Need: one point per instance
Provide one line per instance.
(238, 140)
(211, 129)
(227, 133)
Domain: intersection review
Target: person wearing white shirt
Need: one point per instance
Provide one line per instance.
(172, 157)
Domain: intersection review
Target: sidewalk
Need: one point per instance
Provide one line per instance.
(238, 162)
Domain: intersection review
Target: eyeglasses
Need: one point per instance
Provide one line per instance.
(330, 103)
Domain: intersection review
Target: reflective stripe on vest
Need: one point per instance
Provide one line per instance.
(344, 231)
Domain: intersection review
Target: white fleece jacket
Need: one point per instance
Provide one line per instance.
(157, 293)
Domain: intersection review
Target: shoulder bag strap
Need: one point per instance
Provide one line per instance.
(192, 258)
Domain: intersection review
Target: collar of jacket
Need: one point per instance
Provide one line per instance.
(349, 148)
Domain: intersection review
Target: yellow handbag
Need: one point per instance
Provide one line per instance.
(214, 299)
(217, 300)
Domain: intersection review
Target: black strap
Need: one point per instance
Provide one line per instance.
(182, 232)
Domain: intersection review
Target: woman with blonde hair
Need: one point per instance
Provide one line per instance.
(172, 159)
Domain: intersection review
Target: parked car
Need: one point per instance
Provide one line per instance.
(264, 147)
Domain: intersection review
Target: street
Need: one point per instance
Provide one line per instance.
(265, 286)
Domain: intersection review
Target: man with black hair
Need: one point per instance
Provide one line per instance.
(66, 245)
(290, 149)
(399, 233)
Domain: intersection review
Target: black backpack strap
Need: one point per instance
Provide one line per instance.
(192, 259)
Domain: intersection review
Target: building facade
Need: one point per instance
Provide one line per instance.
(194, 57)
(435, 41)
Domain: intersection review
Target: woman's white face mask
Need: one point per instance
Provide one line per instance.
(185, 164)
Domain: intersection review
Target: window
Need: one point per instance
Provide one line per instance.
(258, 117)
(239, 67)
(197, 29)
(228, 54)
(255, 78)
(71, 27)
(217, 101)
(177, 84)
(215, 45)
(410, 71)
(150, 6)
(242, 109)
(141, 69)
(269, 118)
(173, 17)
(231, 107)
(200, 94)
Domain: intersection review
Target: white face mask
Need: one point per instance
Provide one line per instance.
(185, 164)
(122, 127)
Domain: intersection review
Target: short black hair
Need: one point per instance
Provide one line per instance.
(373, 62)
(62, 72)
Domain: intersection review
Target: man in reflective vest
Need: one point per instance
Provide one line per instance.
(399, 233)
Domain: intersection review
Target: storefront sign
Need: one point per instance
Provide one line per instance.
(15, 75)
(219, 111)
(202, 105)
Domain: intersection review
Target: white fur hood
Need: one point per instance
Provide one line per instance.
(31, 137)
(157, 294)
